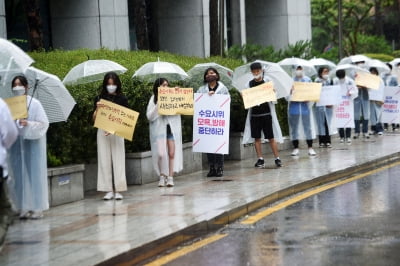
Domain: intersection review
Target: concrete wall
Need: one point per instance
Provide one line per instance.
(183, 27)
(90, 24)
(238, 22)
(278, 23)
(3, 28)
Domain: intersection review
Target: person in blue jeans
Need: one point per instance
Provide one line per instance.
(300, 114)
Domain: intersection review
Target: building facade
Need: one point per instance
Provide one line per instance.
(187, 27)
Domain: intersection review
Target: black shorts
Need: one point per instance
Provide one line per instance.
(261, 123)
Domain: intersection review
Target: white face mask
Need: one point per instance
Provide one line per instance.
(299, 73)
(111, 88)
(325, 77)
(18, 90)
(258, 76)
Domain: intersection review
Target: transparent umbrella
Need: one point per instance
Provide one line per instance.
(92, 70)
(319, 62)
(379, 65)
(354, 59)
(282, 81)
(290, 64)
(196, 74)
(149, 72)
(350, 69)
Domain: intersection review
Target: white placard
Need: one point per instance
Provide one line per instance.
(330, 95)
(211, 123)
(344, 112)
(391, 107)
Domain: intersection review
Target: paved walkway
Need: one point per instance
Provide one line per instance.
(149, 218)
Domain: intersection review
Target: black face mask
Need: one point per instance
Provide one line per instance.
(211, 78)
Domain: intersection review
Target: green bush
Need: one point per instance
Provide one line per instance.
(382, 57)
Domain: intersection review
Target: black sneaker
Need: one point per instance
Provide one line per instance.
(212, 172)
(220, 172)
(278, 163)
(259, 163)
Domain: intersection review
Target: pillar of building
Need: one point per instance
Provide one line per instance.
(278, 23)
(89, 24)
(238, 22)
(3, 26)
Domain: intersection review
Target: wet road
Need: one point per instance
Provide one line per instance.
(354, 224)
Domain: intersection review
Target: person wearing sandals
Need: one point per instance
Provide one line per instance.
(110, 148)
(165, 139)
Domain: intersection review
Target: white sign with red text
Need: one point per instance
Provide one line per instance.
(391, 107)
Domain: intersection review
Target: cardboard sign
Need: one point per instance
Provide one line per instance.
(174, 101)
(306, 92)
(211, 123)
(367, 80)
(391, 106)
(330, 95)
(17, 106)
(258, 95)
(116, 119)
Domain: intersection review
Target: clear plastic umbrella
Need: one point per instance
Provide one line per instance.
(282, 81)
(290, 64)
(52, 94)
(354, 59)
(379, 65)
(149, 72)
(92, 70)
(350, 69)
(319, 62)
(196, 74)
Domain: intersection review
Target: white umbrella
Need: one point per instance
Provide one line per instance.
(379, 65)
(52, 94)
(290, 64)
(149, 72)
(350, 69)
(196, 74)
(282, 81)
(394, 62)
(354, 59)
(92, 70)
(320, 62)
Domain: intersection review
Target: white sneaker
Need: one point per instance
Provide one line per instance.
(380, 133)
(342, 140)
(349, 140)
(170, 181)
(25, 215)
(109, 195)
(36, 215)
(295, 152)
(162, 182)
(118, 196)
(311, 152)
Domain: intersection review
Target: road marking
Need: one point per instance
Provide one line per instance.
(185, 250)
(255, 218)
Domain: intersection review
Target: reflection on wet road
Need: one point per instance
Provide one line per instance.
(354, 224)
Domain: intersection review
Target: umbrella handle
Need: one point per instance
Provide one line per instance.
(33, 93)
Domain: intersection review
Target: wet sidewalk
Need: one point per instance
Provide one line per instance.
(149, 218)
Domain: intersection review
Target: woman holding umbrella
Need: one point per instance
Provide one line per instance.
(212, 86)
(110, 148)
(28, 158)
(165, 139)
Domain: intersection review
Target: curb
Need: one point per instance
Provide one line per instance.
(149, 250)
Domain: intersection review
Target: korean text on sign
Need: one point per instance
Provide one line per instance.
(211, 123)
(173, 101)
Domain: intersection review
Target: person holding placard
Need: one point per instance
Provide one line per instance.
(390, 80)
(324, 114)
(376, 104)
(212, 86)
(300, 115)
(262, 121)
(361, 108)
(165, 139)
(110, 148)
(349, 92)
(28, 158)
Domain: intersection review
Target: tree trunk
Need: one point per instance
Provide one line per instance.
(214, 29)
(140, 21)
(34, 23)
(378, 18)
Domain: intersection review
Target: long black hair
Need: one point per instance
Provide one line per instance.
(21, 79)
(320, 70)
(157, 83)
(117, 82)
(208, 69)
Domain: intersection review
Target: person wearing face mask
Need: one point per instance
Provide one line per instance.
(262, 122)
(28, 158)
(165, 139)
(110, 148)
(212, 86)
(390, 80)
(349, 92)
(300, 114)
(324, 114)
(376, 106)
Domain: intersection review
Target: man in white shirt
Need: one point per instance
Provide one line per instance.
(8, 134)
